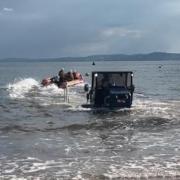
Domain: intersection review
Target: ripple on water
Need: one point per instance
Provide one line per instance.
(58, 140)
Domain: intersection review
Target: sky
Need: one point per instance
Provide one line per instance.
(63, 28)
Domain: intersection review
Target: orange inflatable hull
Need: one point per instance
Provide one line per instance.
(47, 82)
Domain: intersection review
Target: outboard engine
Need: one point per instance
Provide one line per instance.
(86, 87)
(48, 81)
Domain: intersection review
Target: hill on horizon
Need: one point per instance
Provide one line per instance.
(154, 56)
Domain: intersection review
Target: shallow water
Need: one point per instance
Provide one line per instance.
(43, 137)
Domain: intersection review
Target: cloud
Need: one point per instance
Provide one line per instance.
(82, 27)
(118, 32)
(87, 48)
(7, 9)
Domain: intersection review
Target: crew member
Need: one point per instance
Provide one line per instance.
(61, 77)
(69, 76)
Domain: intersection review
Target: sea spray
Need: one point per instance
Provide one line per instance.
(29, 89)
(20, 87)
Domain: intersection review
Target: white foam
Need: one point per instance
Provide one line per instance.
(31, 90)
(29, 87)
(151, 107)
(51, 90)
(18, 88)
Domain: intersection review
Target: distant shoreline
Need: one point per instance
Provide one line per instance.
(155, 56)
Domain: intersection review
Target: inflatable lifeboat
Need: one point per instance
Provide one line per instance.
(78, 79)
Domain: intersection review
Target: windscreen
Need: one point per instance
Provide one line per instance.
(114, 79)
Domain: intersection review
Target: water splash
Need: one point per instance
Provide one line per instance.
(31, 90)
(20, 87)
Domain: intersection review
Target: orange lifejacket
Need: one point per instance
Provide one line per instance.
(77, 75)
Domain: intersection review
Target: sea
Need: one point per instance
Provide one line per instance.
(44, 137)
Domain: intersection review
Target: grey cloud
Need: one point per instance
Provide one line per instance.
(7, 9)
(46, 28)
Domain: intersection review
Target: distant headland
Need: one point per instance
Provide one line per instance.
(154, 56)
